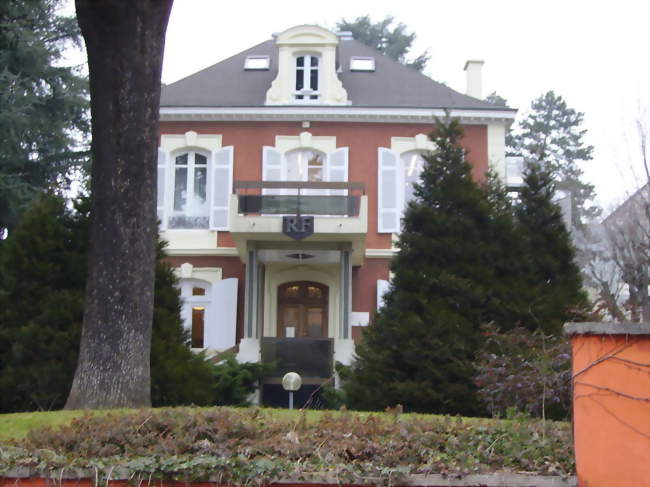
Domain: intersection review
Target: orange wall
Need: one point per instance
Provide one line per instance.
(363, 139)
(611, 429)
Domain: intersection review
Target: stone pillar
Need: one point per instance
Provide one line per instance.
(251, 300)
(346, 294)
(249, 346)
(611, 402)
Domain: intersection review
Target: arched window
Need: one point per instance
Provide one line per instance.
(305, 165)
(196, 309)
(190, 208)
(412, 166)
(307, 78)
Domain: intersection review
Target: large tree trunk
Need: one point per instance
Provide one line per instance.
(125, 42)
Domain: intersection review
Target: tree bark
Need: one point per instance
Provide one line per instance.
(125, 42)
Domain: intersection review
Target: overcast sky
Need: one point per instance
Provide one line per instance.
(595, 54)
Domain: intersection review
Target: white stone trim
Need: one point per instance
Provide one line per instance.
(380, 253)
(278, 274)
(331, 114)
(420, 143)
(496, 148)
(287, 143)
(207, 274)
(218, 252)
(344, 351)
(190, 139)
(307, 40)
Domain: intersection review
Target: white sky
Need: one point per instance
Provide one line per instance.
(595, 54)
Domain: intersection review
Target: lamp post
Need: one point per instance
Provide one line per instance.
(291, 382)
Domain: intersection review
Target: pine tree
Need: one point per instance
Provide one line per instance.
(554, 288)
(420, 349)
(552, 135)
(42, 279)
(394, 43)
(43, 105)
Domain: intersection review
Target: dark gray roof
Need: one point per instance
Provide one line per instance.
(391, 85)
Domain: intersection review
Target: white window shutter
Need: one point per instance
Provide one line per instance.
(382, 288)
(219, 332)
(388, 200)
(272, 167)
(222, 162)
(161, 194)
(337, 168)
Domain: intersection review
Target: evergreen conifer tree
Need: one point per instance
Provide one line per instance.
(554, 286)
(43, 104)
(394, 42)
(552, 135)
(42, 278)
(420, 349)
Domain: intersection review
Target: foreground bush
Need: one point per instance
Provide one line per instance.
(42, 280)
(238, 446)
(525, 371)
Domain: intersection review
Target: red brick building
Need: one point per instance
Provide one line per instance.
(283, 173)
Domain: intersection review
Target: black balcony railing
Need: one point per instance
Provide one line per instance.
(298, 197)
(309, 357)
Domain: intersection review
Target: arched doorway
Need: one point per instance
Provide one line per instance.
(302, 309)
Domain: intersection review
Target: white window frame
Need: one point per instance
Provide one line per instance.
(360, 66)
(307, 90)
(190, 301)
(257, 63)
(191, 167)
(402, 176)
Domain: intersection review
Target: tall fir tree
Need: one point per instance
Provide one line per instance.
(395, 42)
(552, 135)
(43, 105)
(42, 278)
(420, 349)
(554, 288)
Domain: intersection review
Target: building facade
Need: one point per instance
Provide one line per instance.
(283, 172)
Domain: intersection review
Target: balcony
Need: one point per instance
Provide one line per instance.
(340, 211)
(298, 197)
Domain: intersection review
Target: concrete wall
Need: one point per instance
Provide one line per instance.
(611, 403)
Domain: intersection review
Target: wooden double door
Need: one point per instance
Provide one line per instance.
(302, 309)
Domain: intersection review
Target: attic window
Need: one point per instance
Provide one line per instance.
(362, 63)
(257, 63)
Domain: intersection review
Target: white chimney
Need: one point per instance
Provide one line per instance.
(474, 78)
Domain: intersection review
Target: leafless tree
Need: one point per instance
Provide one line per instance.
(616, 254)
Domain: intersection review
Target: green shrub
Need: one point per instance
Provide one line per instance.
(42, 280)
(244, 445)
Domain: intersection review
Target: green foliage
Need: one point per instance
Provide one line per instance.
(234, 382)
(41, 305)
(42, 278)
(395, 42)
(246, 445)
(526, 372)
(466, 257)
(43, 106)
(553, 287)
(420, 349)
(178, 376)
(551, 134)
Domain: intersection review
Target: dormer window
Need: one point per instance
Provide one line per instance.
(307, 78)
(257, 63)
(358, 63)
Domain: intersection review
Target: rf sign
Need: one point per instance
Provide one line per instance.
(298, 227)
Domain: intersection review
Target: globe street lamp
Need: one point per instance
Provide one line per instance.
(291, 382)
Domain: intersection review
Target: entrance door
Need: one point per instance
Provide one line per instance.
(302, 309)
